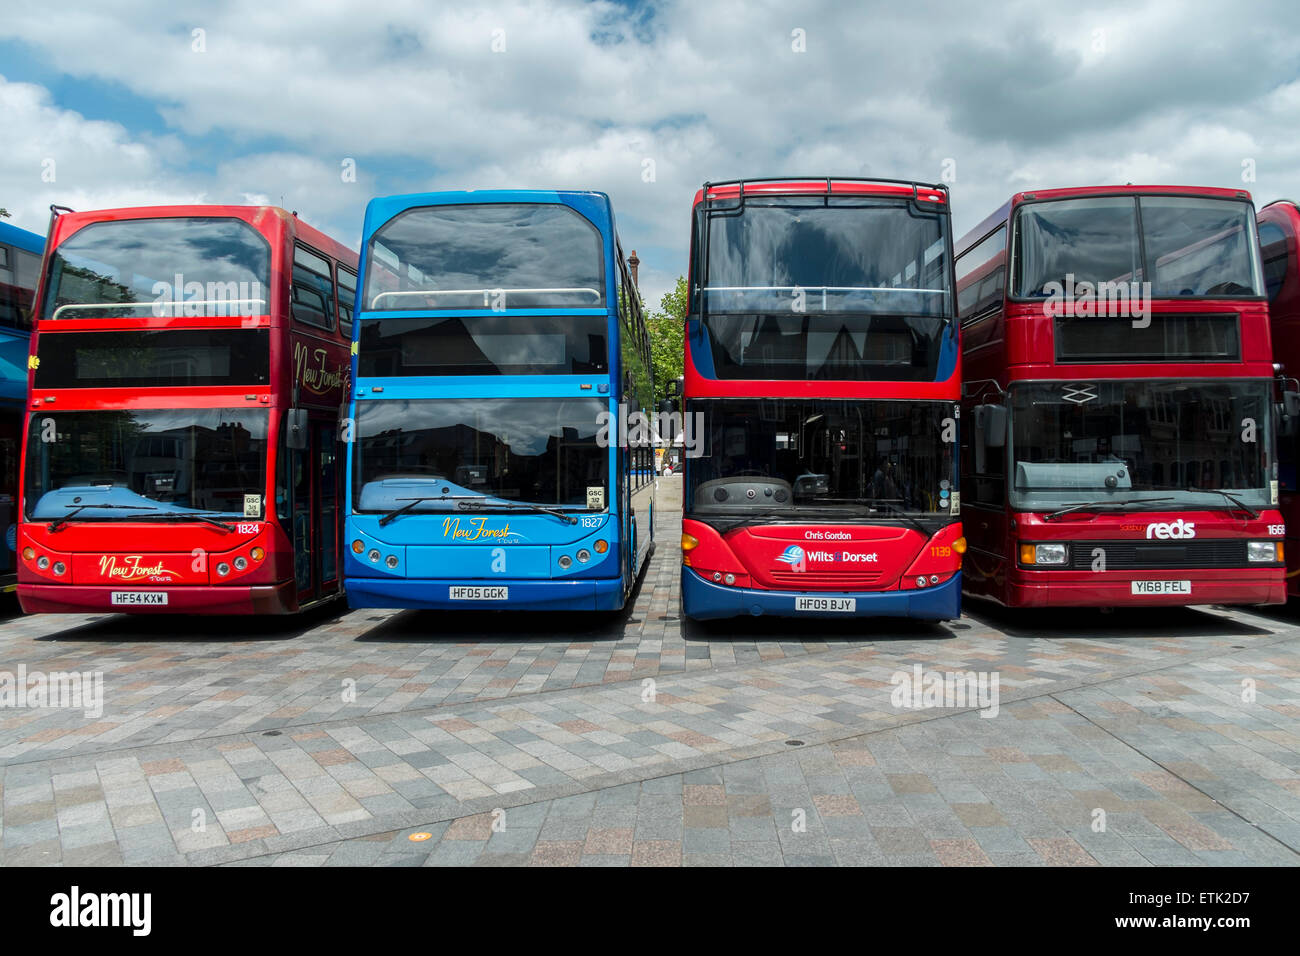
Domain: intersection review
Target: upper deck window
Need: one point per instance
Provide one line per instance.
(825, 254)
(192, 266)
(490, 256)
(313, 289)
(1184, 246)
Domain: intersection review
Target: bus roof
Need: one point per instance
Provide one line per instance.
(70, 222)
(822, 186)
(991, 222)
(21, 238)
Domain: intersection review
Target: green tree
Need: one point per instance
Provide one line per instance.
(667, 328)
(4, 213)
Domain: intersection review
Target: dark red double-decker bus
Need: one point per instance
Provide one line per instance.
(181, 453)
(1279, 239)
(1119, 401)
(821, 388)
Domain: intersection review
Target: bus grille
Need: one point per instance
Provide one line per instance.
(1159, 555)
(805, 580)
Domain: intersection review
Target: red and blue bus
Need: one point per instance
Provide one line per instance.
(20, 267)
(1119, 401)
(189, 368)
(820, 399)
(500, 456)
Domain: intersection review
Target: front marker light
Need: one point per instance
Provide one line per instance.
(1263, 551)
(690, 542)
(1050, 555)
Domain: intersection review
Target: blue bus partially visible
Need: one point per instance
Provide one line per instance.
(499, 344)
(20, 268)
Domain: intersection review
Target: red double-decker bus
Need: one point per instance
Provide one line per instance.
(188, 367)
(1119, 401)
(1279, 239)
(821, 388)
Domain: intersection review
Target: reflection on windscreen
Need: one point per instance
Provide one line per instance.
(848, 347)
(483, 345)
(540, 451)
(793, 255)
(223, 267)
(486, 256)
(1187, 246)
(1084, 441)
(845, 455)
(168, 459)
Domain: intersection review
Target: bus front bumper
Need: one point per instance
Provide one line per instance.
(190, 599)
(1115, 588)
(589, 594)
(703, 600)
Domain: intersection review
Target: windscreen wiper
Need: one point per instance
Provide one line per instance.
(205, 517)
(1233, 498)
(58, 523)
(538, 509)
(1100, 506)
(412, 502)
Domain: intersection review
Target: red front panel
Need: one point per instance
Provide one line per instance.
(1108, 553)
(833, 558)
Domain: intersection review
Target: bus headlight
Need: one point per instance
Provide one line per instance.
(223, 569)
(42, 562)
(583, 555)
(241, 562)
(59, 567)
(391, 561)
(1263, 551)
(565, 562)
(1044, 554)
(373, 555)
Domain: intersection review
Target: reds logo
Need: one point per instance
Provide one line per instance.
(1171, 529)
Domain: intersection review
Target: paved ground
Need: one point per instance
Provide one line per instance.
(423, 738)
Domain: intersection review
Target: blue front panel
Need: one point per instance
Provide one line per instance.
(704, 600)
(460, 560)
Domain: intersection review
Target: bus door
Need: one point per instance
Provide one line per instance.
(326, 475)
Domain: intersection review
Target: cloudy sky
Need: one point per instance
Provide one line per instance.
(250, 101)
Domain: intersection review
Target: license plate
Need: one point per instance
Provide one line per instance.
(478, 594)
(842, 605)
(1162, 587)
(138, 597)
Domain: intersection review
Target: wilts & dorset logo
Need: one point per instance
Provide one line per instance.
(922, 690)
(795, 557)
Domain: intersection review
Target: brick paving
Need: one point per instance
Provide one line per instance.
(636, 739)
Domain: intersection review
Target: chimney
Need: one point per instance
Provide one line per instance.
(632, 263)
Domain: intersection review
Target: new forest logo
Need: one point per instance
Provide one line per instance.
(131, 569)
(311, 369)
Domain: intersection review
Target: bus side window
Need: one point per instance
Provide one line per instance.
(313, 289)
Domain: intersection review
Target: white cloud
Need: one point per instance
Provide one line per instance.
(1096, 92)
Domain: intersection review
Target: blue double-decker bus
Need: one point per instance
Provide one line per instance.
(20, 268)
(498, 353)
